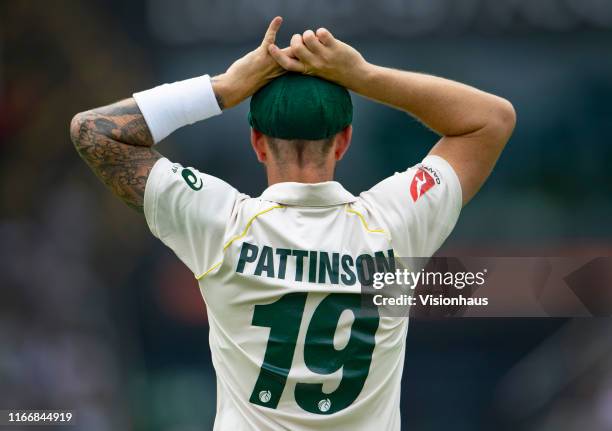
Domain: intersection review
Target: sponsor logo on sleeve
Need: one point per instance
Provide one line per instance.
(193, 181)
(424, 179)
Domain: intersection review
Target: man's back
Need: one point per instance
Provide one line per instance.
(281, 276)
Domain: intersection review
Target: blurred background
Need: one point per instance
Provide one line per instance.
(97, 316)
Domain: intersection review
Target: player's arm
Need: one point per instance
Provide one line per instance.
(474, 125)
(116, 140)
(116, 144)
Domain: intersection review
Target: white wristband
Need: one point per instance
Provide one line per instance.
(169, 107)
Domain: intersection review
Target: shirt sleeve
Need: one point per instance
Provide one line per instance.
(189, 212)
(419, 206)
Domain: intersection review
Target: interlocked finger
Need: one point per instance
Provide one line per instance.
(312, 42)
(286, 61)
(300, 50)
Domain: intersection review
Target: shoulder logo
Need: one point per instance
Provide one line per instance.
(192, 180)
(422, 182)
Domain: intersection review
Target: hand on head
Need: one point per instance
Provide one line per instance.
(251, 72)
(318, 54)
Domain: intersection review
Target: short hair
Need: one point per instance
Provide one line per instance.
(300, 151)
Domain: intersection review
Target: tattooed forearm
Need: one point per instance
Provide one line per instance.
(116, 144)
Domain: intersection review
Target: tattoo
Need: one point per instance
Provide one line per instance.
(116, 144)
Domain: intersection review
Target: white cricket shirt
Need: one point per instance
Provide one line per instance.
(280, 275)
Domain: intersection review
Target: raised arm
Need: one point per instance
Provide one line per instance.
(116, 140)
(116, 144)
(474, 125)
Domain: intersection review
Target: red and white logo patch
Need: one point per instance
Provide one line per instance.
(421, 182)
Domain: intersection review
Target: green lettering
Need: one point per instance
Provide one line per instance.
(348, 278)
(312, 267)
(299, 263)
(282, 265)
(331, 268)
(248, 253)
(365, 269)
(265, 262)
(382, 263)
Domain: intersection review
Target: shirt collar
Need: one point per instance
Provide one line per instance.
(310, 195)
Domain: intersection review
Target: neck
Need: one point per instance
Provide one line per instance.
(299, 174)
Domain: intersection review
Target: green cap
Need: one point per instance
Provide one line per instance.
(296, 106)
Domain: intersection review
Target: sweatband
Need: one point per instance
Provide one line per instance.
(169, 107)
